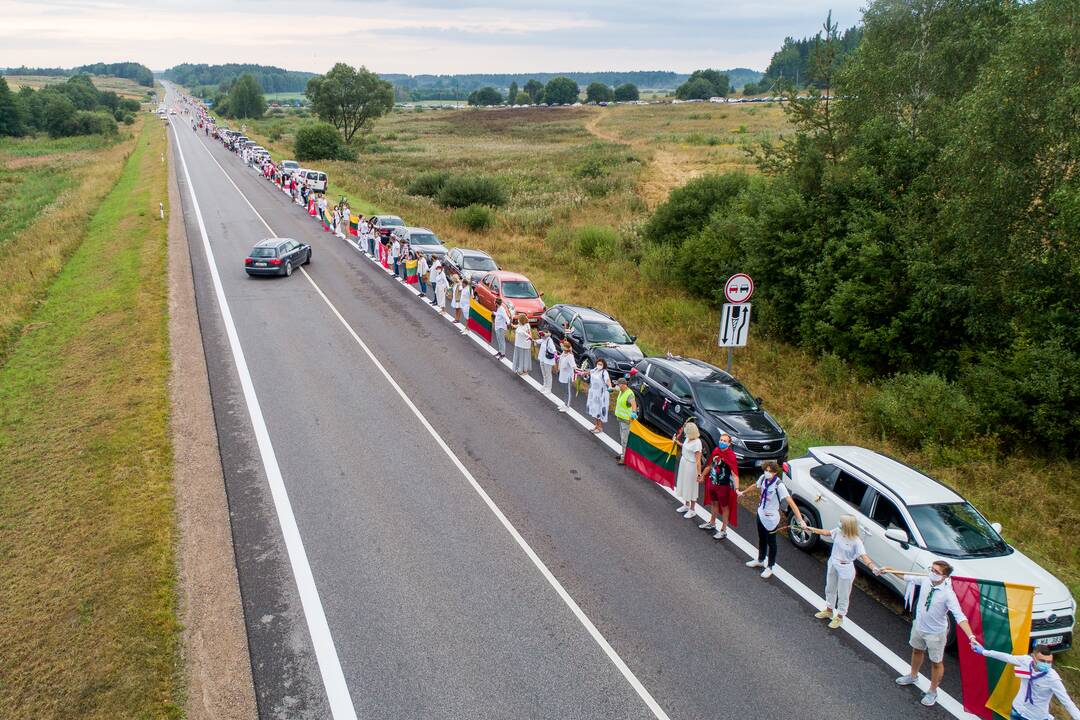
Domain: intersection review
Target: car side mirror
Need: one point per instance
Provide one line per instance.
(574, 335)
(898, 536)
(541, 294)
(633, 338)
(996, 526)
(759, 401)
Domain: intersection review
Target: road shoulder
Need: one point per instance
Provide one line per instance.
(218, 667)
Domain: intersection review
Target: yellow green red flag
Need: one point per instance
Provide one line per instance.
(652, 455)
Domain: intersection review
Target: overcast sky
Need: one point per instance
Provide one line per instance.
(413, 36)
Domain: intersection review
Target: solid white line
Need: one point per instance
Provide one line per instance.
(333, 678)
(890, 658)
(561, 591)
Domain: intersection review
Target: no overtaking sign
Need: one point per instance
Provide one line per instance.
(738, 288)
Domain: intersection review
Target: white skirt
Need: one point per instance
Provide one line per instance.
(598, 401)
(686, 484)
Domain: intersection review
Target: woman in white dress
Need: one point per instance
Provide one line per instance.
(464, 298)
(438, 279)
(455, 297)
(599, 398)
(686, 485)
(567, 370)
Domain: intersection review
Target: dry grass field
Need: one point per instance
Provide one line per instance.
(121, 86)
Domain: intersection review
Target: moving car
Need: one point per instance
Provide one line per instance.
(277, 256)
(673, 390)
(470, 264)
(908, 520)
(516, 291)
(592, 335)
(385, 224)
(424, 241)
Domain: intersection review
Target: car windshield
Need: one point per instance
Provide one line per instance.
(264, 252)
(391, 222)
(423, 239)
(476, 262)
(606, 332)
(518, 289)
(956, 530)
(724, 397)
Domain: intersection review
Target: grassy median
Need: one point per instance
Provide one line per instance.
(87, 586)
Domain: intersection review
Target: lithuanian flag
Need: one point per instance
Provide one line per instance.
(410, 272)
(354, 225)
(479, 319)
(1000, 614)
(325, 219)
(652, 455)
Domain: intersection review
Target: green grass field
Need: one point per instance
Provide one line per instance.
(121, 86)
(89, 627)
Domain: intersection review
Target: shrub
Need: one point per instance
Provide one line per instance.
(592, 241)
(428, 184)
(274, 135)
(464, 190)
(93, 123)
(591, 168)
(474, 217)
(688, 208)
(916, 409)
(129, 119)
(320, 141)
(657, 265)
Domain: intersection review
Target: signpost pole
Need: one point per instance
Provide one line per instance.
(730, 353)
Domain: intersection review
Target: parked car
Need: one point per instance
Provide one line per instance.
(276, 256)
(314, 179)
(908, 520)
(423, 240)
(673, 390)
(289, 167)
(516, 291)
(592, 335)
(385, 224)
(471, 264)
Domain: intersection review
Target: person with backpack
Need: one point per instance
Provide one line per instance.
(567, 370)
(773, 493)
(547, 355)
(721, 480)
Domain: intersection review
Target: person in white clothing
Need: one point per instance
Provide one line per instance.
(567, 371)
(464, 298)
(930, 629)
(422, 275)
(773, 493)
(599, 397)
(395, 255)
(847, 546)
(548, 355)
(689, 468)
(499, 327)
(1039, 682)
(438, 279)
(523, 343)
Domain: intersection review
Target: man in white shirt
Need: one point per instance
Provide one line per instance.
(1039, 682)
(930, 629)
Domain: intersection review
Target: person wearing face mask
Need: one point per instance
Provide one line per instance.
(1039, 682)
(930, 629)
(721, 480)
(773, 492)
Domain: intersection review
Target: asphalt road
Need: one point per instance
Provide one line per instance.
(434, 608)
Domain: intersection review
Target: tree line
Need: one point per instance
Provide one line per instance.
(270, 79)
(560, 90)
(73, 107)
(130, 70)
(791, 65)
(920, 222)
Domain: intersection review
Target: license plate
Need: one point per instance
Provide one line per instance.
(260, 264)
(1051, 640)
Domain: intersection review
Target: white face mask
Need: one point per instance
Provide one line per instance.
(936, 577)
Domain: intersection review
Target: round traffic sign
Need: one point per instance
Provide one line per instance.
(738, 288)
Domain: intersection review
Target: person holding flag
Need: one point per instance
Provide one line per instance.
(500, 325)
(464, 299)
(689, 467)
(625, 412)
(1039, 682)
(422, 274)
(930, 629)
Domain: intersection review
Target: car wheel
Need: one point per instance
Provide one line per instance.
(307, 260)
(288, 268)
(805, 541)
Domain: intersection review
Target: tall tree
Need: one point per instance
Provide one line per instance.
(349, 98)
(561, 91)
(535, 90)
(246, 98)
(11, 113)
(599, 92)
(627, 92)
(486, 96)
(512, 95)
(704, 84)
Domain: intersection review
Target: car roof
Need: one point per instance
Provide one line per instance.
(473, 253)
(271, 242)
(907, 483)
(692, 368)
(507, 275)
(419, 230)
(588, 313)
(388, 217)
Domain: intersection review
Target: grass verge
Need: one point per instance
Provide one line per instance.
(87, 584)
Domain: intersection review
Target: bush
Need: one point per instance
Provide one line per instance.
(274, 135)
(917, 409)
(657, 266)
(689, 207)
(129, 119)
(93, 123)
(474, 217)
(592, 241)
(320, 141)
(463, 190)
(428, 184)
(591, 168)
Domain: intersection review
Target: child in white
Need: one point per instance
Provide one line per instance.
(847, 546)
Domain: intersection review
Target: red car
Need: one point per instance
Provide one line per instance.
(517, 293)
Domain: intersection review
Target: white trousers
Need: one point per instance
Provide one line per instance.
(837, 589)
(545, 372)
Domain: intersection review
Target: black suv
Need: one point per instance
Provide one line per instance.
(673, 390)
(593, 335)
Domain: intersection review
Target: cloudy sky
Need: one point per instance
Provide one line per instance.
(413, 36)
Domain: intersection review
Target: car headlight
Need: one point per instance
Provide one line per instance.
(737, 442)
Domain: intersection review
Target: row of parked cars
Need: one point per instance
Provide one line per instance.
(907, 518)
(315, 180)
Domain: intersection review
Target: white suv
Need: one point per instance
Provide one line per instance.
(908, 520)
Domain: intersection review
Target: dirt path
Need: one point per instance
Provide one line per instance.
(664, 172)
(216, 659)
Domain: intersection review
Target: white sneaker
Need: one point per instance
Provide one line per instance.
(766, 573)
(720, 534)
(681, 509)
(753, 563)
(562, 408)
(929, 699)
(905, 680)
(706, 525)
(690, 514)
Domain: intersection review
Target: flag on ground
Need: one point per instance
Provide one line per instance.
(354, 226)
(410, 272)
(652, 455)
(480, 320)
(999, 613)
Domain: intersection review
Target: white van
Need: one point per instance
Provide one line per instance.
(314, 179)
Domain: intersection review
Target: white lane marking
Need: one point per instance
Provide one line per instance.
(333, 678)
(561, 591)
(890, 658)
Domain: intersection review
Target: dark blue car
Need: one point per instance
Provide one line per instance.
(277, 256)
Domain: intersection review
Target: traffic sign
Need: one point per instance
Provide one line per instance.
(734, 325)
(738, 288)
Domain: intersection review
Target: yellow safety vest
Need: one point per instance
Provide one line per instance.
(622, 405)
